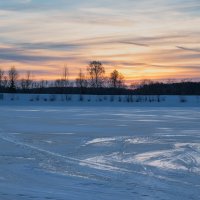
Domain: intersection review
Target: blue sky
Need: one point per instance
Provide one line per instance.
(155, 39)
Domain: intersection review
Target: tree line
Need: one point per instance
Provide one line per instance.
(94, 78)
(169, 88)
(93, 81)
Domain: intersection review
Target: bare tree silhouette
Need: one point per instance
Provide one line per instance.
(81, 81)
(96, 72)
(27, 81)
(65, 78)
(116, 80)
(12, 78)
(1, 77)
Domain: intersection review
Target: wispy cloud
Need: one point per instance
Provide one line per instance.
(147, 38)
(189, 49)
(19, 55)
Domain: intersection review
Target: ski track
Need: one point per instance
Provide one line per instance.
(101, 162)
(66, 159)
(168, 156)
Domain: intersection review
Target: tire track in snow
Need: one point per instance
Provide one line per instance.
(53, 158)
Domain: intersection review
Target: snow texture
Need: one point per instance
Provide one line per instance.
(88, 152)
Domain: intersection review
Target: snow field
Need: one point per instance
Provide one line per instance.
(58, 152)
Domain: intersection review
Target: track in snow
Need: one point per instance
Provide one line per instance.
(115, 153)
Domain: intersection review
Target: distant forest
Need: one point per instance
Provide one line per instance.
(94, 82)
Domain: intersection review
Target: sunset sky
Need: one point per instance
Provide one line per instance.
(143, 39)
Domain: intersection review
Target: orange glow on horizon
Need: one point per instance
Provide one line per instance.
(140, 39)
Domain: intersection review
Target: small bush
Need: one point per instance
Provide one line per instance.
(81, 98)
(183, 99)
(158, 98)
(37, 98)
(112, 98)
(52, 98)
(138, 99)
(68, 98)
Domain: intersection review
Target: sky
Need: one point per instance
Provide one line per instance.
(143, 39)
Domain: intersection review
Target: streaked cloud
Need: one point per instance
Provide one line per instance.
(189, 49)
(143, 39)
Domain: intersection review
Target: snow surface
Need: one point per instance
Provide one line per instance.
(62, 152)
